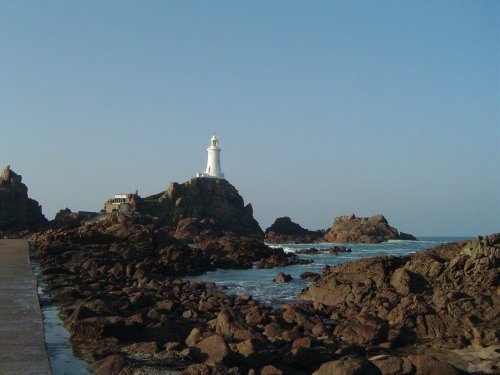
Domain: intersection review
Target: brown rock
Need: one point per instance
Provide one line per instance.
(310, 276)
(270, 370)
(18, 212)
(429, 365)
(204, 206)
(304, 342)
(375, 229)
(348, 366)
(214, 350)
(111, 365)
(363, 330)
(446, 294)
(391, 365)
(194, 337)
(282, 278)
(148, 348)
(284, 230)
(273, 330)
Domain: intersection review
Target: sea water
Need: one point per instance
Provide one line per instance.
(259, 282)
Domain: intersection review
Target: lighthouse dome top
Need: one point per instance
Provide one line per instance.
(213, 169)
(214, 142)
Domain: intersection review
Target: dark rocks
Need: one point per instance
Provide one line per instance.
(281, 259)
(202, 208)
(391, 365)
(339, 249)
(284, 230)
(445, 295)
(282, 278)
(363, 330)
(348, 366)
(111, 365)
(311, 251)
(352, 229)
(18, 212)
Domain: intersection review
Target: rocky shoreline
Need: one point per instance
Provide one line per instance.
(117, 283)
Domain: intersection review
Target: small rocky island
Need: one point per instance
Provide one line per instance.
(345, 229)
(375, 229)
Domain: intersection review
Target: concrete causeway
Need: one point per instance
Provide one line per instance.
(22, 345)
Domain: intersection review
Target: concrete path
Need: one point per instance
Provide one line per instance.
(22, 346)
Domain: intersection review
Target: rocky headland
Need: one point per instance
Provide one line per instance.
(352, 229)
(18, 212)
(284, 230)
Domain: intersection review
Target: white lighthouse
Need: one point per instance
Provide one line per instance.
(214, 169)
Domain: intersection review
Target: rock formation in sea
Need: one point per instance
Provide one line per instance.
(352, 229)
(446, 295)
(284, 230)
(18, 212)
(203, 208)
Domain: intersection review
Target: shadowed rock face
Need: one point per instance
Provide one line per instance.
(203, 208)
(352, 229)
(446, 294)
(284, 230)
(17, 211)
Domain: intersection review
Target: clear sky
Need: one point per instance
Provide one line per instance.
(322, 108)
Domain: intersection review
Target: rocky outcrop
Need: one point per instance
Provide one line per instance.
(284, 230)
(203, 208)
(18, 212)
(447, 295)
(352, 229)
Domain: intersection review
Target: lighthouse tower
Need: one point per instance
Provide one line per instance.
(214, 169)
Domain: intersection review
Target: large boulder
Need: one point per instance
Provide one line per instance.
(352, 229)
(348, 366)
(284, 230)
(18, 212)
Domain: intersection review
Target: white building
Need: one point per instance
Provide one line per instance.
(214, 169)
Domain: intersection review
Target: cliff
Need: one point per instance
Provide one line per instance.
(284, 230)
(18, 212)
(203, 208)
(354, 229)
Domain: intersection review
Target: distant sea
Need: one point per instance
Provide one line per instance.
(256, 282)
(259, 282)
